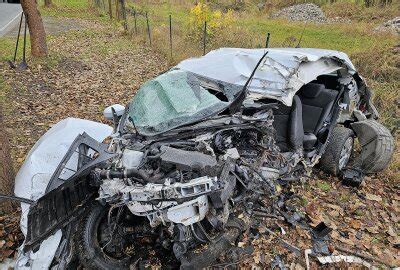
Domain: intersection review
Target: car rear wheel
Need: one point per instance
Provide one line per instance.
(338, 151)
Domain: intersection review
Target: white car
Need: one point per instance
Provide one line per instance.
(188, 163)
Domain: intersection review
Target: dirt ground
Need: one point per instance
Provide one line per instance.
(97, 66)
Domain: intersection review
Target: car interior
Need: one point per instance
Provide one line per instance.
(303, 124)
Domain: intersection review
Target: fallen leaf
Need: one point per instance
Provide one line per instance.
(390, 231)
(356, 224)
(373, 197)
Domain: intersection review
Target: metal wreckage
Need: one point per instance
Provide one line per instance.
(192, 157)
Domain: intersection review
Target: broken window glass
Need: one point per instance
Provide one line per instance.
(170, 100)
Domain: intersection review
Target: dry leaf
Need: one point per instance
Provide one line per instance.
(373, 197)
(355, 224)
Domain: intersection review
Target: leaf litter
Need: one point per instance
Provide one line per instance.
(97, 66)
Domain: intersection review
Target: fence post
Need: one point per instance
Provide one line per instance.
(267, 42)
(124, 15)
(110, 9)
(204, 37)
(19, 32)
(134, 18)
(148, 27)
(117, 9)
(170, 33)
(23, 65)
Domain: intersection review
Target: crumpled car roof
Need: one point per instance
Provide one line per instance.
(282, 73)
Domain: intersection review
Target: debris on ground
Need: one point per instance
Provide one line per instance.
(352, 177)
(277, 263)
(390, 26)
(343, 258)
(10, 236)
(307, 12)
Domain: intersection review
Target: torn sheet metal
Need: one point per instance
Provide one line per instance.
(281, 74)
(35, 173)
(40, 259)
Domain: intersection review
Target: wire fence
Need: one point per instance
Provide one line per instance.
(173, 36)
(178, 39)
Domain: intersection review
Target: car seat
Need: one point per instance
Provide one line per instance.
(288, 124)
(317, 103)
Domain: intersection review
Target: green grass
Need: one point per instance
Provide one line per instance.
(7, 48)
(343, 37)
(336, 37)
(323, 186)
(71, 9)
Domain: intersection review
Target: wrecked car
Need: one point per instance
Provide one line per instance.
(188, 161)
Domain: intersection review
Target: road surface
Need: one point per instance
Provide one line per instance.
(9, 17)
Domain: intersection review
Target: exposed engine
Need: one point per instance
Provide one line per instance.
(195, 187)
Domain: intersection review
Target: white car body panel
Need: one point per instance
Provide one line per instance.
(34, 175)
(281, 74)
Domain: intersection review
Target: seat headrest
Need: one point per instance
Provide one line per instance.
(311, 90)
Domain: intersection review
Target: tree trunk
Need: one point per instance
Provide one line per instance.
(36, 28)
(6, 168)
(48, 3)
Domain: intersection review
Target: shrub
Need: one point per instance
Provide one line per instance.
(216, 20)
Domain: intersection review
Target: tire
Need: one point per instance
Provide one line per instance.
(338, 150)
(377, 145)
(89, 251)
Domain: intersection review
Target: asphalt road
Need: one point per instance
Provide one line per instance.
(9, 16)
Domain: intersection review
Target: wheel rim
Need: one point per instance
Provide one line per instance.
(124, 246)
(111, 248)
(345, 153)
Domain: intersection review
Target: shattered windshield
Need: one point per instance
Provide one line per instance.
(170, 100)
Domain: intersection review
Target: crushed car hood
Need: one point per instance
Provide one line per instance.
(282, 73)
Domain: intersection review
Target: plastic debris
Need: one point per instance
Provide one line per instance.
(343, 258)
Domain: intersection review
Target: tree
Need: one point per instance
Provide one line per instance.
(6, 167)
(36, 28)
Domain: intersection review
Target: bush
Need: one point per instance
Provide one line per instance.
(216, 20)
